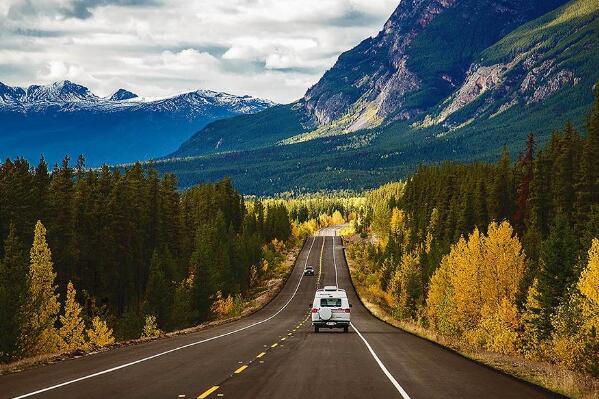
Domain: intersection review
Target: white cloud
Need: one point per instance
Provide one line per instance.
(268, 48)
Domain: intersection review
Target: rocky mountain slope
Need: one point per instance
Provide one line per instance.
(444, 79)
(420, 57)
(67, 118)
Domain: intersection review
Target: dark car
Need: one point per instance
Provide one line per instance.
(308, 271)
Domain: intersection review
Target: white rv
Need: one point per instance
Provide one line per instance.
(331, 309)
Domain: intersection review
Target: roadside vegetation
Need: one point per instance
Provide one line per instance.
(94, 257)
(499, 261)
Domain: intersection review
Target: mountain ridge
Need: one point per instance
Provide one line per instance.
(64, 118)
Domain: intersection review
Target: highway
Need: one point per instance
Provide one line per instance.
(275, 353)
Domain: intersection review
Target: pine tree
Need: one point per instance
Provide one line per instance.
(72, 326)
(526, 175)
(501, 196)
(39, 336)
(558, 260)
(566, 170)
(587, 182)
(13, 294)
(158, 296)
(531, 320)
(99, 334)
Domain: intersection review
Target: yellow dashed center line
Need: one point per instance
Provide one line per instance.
(239, 370)
(208, 392)
(274, 345)
(260, 355)
(283, 339)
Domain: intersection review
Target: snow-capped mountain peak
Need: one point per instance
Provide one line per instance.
(70, 96)
(122, 94)
(65, 91)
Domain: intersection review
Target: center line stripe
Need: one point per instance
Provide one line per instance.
(260, 355)
(208, 392)
(273, 345)
(239, 370)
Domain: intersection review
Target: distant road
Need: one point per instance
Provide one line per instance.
(275, 354)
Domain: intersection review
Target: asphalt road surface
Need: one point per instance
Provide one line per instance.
(275, 354)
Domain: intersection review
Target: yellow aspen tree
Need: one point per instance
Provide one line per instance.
(441, 309)
(408, 285)
(465, 260)
(72, 326)
(150, 328)
(39, 335)
(498, 327)
(99, 334)
(397, 221)
(588, 285)
(337, 218)
(503, 265)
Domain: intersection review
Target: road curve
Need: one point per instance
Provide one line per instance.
(275, 353)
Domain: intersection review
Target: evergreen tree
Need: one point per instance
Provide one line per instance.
(39, 335)
(525, 169)
(158, 296)
(13, 294)
(72, 327)
(211, 262)
(501, 199)
(558, 261)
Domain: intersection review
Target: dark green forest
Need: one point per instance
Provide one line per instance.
(130, 243)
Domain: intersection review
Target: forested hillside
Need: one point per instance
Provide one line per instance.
(453, 80)
(124, 251)
(500, 257)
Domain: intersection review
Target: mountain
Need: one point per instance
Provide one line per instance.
(65, 118)
(444, 79)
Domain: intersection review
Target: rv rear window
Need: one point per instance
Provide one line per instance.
(330, 302)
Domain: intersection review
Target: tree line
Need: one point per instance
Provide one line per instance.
(120, 245)
(503, 256)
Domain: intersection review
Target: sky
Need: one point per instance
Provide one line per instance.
(274, 49)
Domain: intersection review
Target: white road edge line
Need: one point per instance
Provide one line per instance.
(401, 391)
(122, 366)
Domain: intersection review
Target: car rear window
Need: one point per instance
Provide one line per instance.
(330, 302)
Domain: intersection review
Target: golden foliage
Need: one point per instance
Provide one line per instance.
(337, 219)
(150, 328)
(406, 285)
(39, 335)
(222, 307)
(72, 326)
(99, 334)
(474, 289)
(588, 285)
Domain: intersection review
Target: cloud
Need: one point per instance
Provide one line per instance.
(81, 9)
(267, 48)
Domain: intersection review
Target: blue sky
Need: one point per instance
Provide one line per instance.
(274, 49)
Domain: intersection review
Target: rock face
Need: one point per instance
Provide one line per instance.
(397, 72)
(375, 70)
